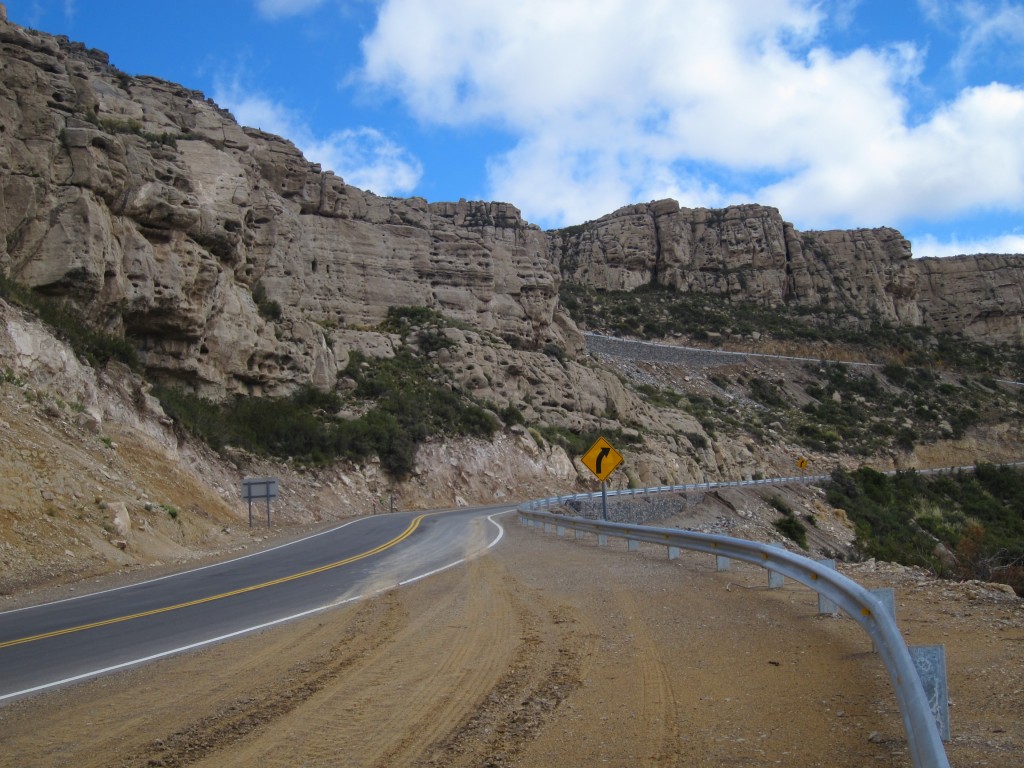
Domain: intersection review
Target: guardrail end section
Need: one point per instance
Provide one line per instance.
(930, 661)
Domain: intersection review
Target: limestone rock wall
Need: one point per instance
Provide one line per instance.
(747, 252)
(157, 213)
(235, 265)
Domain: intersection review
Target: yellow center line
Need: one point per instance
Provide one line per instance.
(330, 566)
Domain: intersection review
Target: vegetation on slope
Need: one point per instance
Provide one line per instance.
(922, 388)
(70, 325)
(403, 401)
(967, 525)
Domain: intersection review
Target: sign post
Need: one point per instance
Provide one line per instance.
(602, 459)
(255, 488)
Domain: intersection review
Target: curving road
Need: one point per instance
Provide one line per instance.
(53, 644)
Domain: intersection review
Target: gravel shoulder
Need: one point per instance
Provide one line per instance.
(552, 652)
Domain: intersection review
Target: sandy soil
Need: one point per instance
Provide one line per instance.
(552, 652)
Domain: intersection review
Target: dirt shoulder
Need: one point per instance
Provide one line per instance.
(552, 652)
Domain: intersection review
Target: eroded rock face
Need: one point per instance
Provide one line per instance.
(748, 252)
(157, 213)
(236, 266)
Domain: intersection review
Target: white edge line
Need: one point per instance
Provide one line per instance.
(172, 652)
(237, 633)
(184, 573)
(460, 561)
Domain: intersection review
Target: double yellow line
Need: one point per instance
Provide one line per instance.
(330, 566)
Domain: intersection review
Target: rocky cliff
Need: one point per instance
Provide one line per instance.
(234, 265)
(163, 218)
(748, 252)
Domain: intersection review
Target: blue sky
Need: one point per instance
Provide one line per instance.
(841, 113)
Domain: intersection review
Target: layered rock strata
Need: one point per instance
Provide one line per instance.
(749, 253)
(219, 249)
(236, 266)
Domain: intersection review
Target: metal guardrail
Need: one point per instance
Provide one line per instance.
(556, 500)
(866, 609)
(795, 480)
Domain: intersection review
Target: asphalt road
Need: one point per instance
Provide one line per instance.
(58, 643)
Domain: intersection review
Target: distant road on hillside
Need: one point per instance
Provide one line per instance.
(698, 357)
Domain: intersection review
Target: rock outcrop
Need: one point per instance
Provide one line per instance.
(749, 253)
(236, 266)
(156, 212)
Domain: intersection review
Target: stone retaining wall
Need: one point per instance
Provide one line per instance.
(634, 510)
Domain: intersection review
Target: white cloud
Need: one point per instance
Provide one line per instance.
(367, 159)
(987, 29)
(969, 156)
(276, 9)
(614, 102)
(363, 157)
(930, 245)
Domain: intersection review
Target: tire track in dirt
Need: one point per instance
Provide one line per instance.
(657, 706)
(545, 669)
(548, 653)
(212, 734)
(457, 634)
(175, 711)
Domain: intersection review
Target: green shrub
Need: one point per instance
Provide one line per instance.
(268, 308)
(766, 393)
(789, 524)
(975, 515)
(792, 529)
(511, 415)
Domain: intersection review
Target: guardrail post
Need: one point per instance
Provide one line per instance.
(930, 661)
(547, 527)
(874, 610)
(887, 595)
(775, 579)
(560, 531)
(673, 553)
(826, 606)
(632, 545)
(579, 534)
(721, 563)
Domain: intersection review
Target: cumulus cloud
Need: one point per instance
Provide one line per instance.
(367, 159)
(985, 29)
(707, 100)
(968, 156)
(930, 245)
(364, 157)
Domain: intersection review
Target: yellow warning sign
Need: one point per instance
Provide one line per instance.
(601, 459)
(801, 463)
